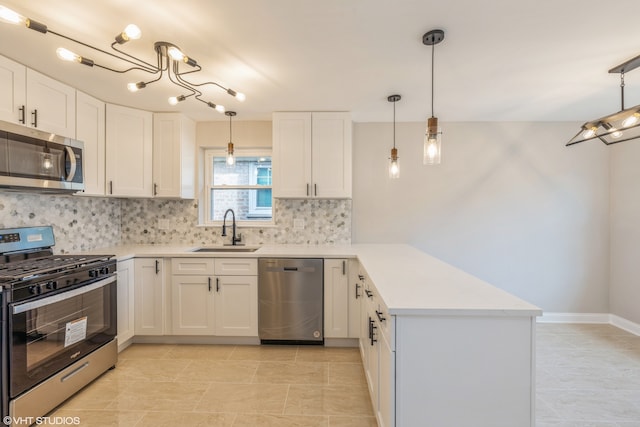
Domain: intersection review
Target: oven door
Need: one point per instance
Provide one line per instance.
(52, 332)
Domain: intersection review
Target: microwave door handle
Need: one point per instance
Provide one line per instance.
(72, 160)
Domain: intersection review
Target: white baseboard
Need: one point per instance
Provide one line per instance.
(625, 324)
(574, 318)
(605, 318)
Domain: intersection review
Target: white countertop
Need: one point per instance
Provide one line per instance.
(409, 281)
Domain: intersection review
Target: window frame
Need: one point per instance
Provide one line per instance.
(209, 155)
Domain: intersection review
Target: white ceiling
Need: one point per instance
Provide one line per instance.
(501, 60)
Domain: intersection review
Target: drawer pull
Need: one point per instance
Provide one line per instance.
(368, 292)
(380, 316)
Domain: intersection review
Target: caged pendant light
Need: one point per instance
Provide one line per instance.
(231, 160)
(394, 165)
(623, 125)
(433, 135)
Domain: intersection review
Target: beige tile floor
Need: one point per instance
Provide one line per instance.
(587, 376)
(206, 385)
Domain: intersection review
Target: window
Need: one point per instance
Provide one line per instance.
(244, 187)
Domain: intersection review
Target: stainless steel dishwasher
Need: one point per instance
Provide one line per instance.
(290, 300)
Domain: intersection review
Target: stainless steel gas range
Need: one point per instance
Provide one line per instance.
(58, 322)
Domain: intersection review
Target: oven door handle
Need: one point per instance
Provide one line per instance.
(21, 308)
(72, 163)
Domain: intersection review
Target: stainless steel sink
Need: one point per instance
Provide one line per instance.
(226, 249)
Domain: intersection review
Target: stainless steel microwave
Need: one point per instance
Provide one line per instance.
(37, 160)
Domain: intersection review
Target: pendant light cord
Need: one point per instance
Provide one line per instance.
(394, 124)
(230, 135)
(432, 68)
(622, 90)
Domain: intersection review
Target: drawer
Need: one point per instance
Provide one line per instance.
(201, 266)
(236, 267)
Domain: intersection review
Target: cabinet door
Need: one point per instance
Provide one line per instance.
(51, 105)
(355, 295)
(386, 380)
(292, 155)
(12, 91)
(236, 307)
(149, 296)
(192, 305)
(128, 151)
(126, 297)
(90, 128)
(173, 156)
(331, 155)
(336, 298)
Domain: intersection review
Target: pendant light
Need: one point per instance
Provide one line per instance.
(623, 125)
(394, 165)
(433, 134)
(231, 160)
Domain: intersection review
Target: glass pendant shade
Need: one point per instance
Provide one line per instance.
(231, 160)
(394, 164)
(432, 143)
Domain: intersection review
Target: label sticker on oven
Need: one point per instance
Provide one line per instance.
(75, 331)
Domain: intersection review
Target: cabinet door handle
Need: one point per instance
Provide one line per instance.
(157, 266)
(155, 189)
(209, 281)
(34, 115)
(217, 284)
(357, 289)
(110, 187)
(22, 119)
(372, 331)
(344, 267)
(315, 189)
(307, 189)
(380, 316)
(360, 276)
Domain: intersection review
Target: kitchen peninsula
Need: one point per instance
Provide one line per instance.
(433, 338)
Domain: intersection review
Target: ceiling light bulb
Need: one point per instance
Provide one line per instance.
(590, 132)
(134, 87)
(220, 108)
(238, 95)
(230, 159)
(11, 17)
(631, 120)
(175, 99)
(175, 53)
(132, 32)
(67, 55)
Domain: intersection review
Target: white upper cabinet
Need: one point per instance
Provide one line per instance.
(13, 91)
(129, 146)
(174, 137)
(90, 129)
(35, 100)
(51, 105)
(312, 155)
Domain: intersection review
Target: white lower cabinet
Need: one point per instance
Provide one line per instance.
(214, 296)
(126, 298)
(336, 298)
(149, 299)
(236, 306)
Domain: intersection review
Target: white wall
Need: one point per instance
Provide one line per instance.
(625, 231)
(510, 204)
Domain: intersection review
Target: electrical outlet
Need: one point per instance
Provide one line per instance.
(298, 224)
(163, 224)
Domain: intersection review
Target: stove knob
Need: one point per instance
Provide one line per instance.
(104, 270)
(52, 285)
(35, 290)
(93, 273)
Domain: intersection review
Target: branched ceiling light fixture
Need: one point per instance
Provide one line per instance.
(433, 135)
(394, 164)
(623, 125)
(169, 59)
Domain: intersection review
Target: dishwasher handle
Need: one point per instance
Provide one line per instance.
(290, 269)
